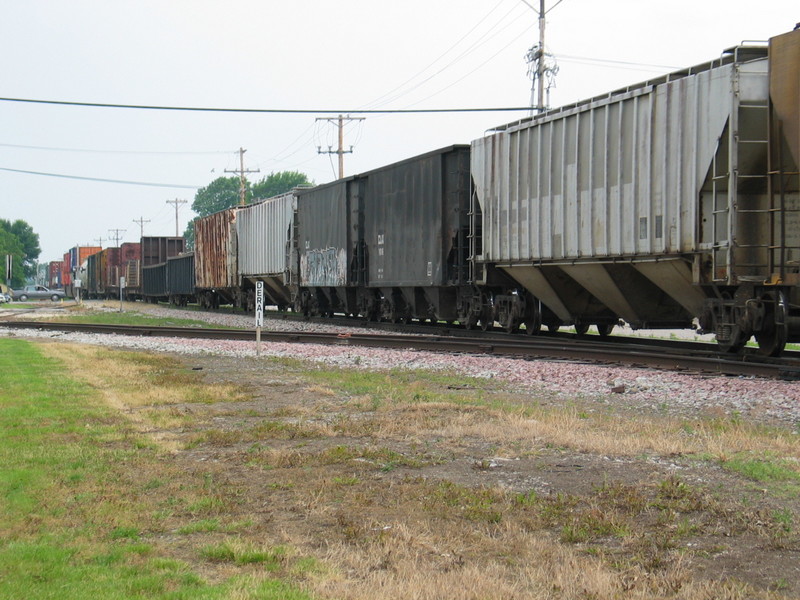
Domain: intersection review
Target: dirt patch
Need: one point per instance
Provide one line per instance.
(431, 489)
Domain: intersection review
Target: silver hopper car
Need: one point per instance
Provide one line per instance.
(665, 204)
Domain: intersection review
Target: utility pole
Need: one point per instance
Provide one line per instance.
(340, 151)
(540, 62)
(177, 203)
(242, 181)
(140, 222)
(100, 241)
(117, 235)
(537, 54)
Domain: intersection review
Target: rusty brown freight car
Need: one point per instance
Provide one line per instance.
(215, 256)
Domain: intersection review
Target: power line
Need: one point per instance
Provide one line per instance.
(420, 73)
(102, 180)
(268, 110)
(50, 148)
(615, 62)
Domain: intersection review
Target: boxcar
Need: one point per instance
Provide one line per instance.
(74, 265)
(215, 259)
(54, 274)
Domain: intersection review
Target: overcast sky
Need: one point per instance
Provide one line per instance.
(303, 54)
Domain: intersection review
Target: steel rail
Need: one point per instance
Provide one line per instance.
(533, 347)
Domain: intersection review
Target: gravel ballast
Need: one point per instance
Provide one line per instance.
(638, 389)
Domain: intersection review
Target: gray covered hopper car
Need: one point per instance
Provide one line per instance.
(658, 204)
(263, 230)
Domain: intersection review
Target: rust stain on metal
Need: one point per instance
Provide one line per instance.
(784, 86)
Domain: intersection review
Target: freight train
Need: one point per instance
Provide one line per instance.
(673, 203)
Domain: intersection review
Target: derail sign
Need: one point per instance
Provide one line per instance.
(259, 304)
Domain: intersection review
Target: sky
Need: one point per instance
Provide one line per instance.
(341, 56)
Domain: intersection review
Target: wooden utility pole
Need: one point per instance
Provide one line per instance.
(340, 151)
(140, 222)
(117, 234)
(100, 241)
(242, 181)
(177, 203)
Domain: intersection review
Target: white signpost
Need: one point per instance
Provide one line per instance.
(259, 314)
(121, 288)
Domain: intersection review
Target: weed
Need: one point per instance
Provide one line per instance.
(124, 533)
(203, 526)
(346, 481)
(763, 469)
(240, 553)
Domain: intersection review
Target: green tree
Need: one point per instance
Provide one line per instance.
(223, 193)
(9, 244)
(28, 243)
(278, 183)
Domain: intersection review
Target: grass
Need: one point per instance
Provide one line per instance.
(378, 485)
(72, 524)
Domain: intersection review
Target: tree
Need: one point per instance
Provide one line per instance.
(223, 193)
(279, 183)
(28, 250)
(9, 244)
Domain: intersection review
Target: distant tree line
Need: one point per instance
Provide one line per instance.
(19, 240)
(223, 193)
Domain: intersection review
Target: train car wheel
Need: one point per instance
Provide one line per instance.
(772, 339)
(581, 328)
(605, 330)
(533, 326)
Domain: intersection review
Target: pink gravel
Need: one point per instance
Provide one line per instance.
(668, 392)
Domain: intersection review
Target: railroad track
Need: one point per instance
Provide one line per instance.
(686, 356)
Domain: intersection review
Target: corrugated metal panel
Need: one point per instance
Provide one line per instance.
(180, 275)
(263, 231)
(324, 230)
(92, 271)
(154, 281)
(111, 268)
(130, 251)
(215, 250)
(156, 250)
(429, 196)
(617, 177)
(66, 273)
(85, 252)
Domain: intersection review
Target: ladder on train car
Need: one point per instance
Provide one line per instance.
(721, 222)
(746, 166)
(785, 211)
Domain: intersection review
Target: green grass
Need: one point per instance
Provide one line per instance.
(780, 475)
(71, 526)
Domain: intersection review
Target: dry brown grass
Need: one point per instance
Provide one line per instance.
(343, 479)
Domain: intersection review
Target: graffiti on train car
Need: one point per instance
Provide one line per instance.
(326, 267)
